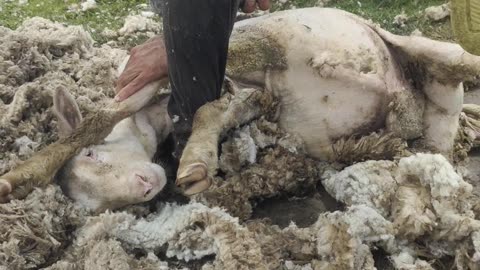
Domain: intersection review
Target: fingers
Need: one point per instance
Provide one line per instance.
(155, 39)
(263, 4)
(126, 77)
(249, 6)
(131, 88)
(5, 187)
(5, 190)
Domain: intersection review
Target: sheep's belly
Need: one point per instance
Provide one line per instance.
(338, 79)
(322, 111)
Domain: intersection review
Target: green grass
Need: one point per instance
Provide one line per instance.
(111, 13)
(384, 11)
(108, 14)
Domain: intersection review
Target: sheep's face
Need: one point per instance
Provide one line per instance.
(110, 176)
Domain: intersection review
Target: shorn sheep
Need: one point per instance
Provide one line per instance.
(331, 93)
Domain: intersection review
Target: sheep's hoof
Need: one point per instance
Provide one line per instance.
(194, 178)
(5, 190)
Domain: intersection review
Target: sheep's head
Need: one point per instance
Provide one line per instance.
(110, 175)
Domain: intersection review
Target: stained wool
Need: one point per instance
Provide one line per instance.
(423, 196)
(281, 167)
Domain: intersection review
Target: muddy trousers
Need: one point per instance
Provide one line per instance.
(196, 36)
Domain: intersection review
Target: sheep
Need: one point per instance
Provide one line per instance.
(312, 62)
(98, 176)
(336, 75)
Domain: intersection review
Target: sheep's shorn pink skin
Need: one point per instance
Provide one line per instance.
(340, 76)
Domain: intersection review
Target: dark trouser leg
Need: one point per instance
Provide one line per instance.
(196, 37)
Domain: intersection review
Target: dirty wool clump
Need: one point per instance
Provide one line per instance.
(35, 59)
(429, 205)
(437, 13)
(135, 27)
(260, 161)
(35, 230)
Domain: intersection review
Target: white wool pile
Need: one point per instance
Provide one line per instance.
(290, 265)
(444, 198)
(423, 196)
(322, 3)
(135, 27)
(241, 148)
(154, 231)
(89, 4)
(139, 23)
(400, 19)
(280, 166)
(416, 33)
(35, 59)
(437, 13)
(147, 14)
(369, 183)
(344, 239)
(405, 261)
(107, 239)
(476, 245)
(36, 229)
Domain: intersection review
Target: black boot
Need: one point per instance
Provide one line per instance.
(181, 132)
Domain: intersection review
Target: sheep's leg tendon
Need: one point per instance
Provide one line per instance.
(199, 160)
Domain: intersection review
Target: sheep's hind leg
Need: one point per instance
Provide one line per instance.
(199, 160)
(444, 66)
(442, 114)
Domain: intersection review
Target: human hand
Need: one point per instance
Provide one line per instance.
(147, 63)
(250, 5)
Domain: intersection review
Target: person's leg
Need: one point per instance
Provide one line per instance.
(196, 37)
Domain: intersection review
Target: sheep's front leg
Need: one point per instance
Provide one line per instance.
(199, 160)
(442, 114)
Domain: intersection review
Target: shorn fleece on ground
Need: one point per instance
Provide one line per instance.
(413, 209)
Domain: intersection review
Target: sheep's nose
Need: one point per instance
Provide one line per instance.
(143, 181)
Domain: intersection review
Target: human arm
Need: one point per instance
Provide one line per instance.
(148, 61)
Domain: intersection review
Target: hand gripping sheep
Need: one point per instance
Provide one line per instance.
(334, 76)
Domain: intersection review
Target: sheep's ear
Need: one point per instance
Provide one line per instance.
(67, 112)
